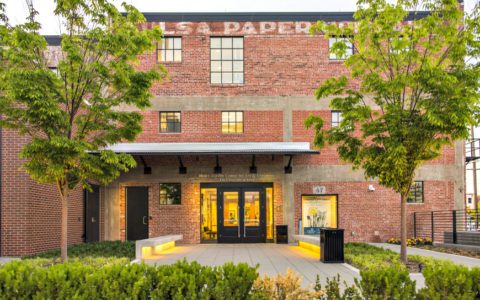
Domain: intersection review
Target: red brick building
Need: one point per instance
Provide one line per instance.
(224, 155)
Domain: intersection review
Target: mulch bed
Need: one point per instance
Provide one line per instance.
(457, 251)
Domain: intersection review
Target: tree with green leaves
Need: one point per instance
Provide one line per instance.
(408, 93)
(71, 115)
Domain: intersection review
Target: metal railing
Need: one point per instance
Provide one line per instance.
(448, 226)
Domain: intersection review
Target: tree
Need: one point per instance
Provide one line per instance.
(71, 116)
(409, 92)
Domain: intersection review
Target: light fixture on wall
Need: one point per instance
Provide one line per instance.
(217, 169)
(371, 188)
(253, 168)
(181, 169)
(146, 169)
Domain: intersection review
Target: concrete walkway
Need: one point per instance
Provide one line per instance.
(6, 259)
(458, 259)
(272, 259)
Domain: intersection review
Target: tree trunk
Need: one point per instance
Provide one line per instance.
(403, 232)
(63, 246)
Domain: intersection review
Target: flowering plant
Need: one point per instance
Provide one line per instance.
(412, 242)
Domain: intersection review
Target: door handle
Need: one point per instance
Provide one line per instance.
(143, 220)
(244, 229)
(93, 219)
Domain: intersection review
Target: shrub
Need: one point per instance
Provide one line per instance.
(105, 249)
(475, 274)
(282, 287)
(449, 281)
(389, 283)
(113, 279)
(234, 281)
(333, 291)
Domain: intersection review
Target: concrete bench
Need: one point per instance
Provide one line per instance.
(310, 242)
(149, 247)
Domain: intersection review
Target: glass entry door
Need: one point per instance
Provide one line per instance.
(241, 215)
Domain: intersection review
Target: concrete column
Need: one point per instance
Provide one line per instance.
(289, 202)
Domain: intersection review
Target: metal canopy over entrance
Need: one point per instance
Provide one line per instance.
(274, 148)
(181, 149)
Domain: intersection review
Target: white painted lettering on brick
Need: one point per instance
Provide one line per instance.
(302, 27)
(164, 30)
(231, 27)
(203, 28)
(249, 28)
(286, 28)
(184, 27)
(266, 27)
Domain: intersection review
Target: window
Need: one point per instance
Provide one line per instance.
(170, 122)
(226, 60)
(318, 211)
(170, 193)
(336, 118)
(348, 50)
(54, 70)
(169, 49)
(416, 192)
(232, 122)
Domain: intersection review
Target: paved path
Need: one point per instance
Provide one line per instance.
(458, 259)
(272, 259)
(5, 259)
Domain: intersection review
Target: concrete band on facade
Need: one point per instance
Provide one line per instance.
(282, 69)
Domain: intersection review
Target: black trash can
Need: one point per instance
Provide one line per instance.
(282, 234)
(331, 245)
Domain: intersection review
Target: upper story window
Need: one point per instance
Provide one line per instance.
(170, 122)
(348, 51)
(169, 49)
(232, 122)
(336, 118)
(416, 192)
(226, 60)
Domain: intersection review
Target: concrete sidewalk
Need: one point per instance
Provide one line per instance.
(271, 258)
(458, 259)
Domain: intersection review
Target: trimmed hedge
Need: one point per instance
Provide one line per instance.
(103, 249)
(113, 279)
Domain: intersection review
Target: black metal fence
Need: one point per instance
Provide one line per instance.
(448, 226)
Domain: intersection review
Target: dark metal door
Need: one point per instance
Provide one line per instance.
(254, 216)
(228, 216)
(92, 214)
(137, 213)
(241, 214)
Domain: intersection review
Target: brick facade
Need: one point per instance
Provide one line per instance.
(283, 66)
(31, 212)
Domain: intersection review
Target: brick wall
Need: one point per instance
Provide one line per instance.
(329, 155)
(365, 212)
(206, 126)
(274, 64)
(31, 213)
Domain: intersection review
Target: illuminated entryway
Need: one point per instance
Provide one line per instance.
(237, 212)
